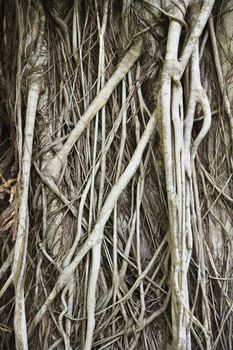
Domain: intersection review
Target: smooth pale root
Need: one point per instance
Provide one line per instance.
(22, 231)
(173, 141)
(223, 66)
(96, 235)
(96, 251)
(91, 296)
(196, 33)
(53, 168)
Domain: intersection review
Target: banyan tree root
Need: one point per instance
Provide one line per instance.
(38, 64)
(179, 156)
(94, 255)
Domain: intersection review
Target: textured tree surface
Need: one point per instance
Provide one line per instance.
(116, 196)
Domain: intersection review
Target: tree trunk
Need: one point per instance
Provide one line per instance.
(116, 143)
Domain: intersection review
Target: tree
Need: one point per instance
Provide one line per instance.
(116, 174)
